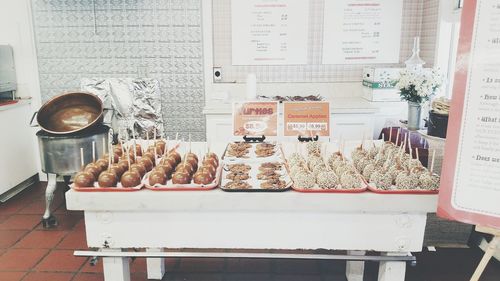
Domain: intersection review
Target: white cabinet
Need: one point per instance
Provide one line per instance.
(219, 128)
(351, 126)
(18, 159)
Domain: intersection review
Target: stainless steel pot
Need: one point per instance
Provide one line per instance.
(60, 154)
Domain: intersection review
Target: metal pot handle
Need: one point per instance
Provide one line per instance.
(33, 118)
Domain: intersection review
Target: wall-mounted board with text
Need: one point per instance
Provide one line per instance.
(362, 31)
(258, 36)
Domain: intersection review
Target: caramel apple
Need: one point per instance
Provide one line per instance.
(147, 163)
(105, 157)
(192, 155)
(185, 168)
(166, 168)
(151, 157)
(191, 161)
(160, 147)
(175, 155)
(170, 160)
(107, 179)
(157, 177)
(202, 177)
(213, 156)
(137, 148)
(93, 169)
(130, 179)
(210, 162)
(124, 164)
(140, 169)
(181, 178)
(102, 163)
(118, 169)
(210, 169)
(118, 151)
(84, 179)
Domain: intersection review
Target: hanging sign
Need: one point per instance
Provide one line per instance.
(269, 32)
(362, 31)
(255, 119)
(470, 179)
(306, 118)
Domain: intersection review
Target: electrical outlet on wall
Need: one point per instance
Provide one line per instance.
(217, 74)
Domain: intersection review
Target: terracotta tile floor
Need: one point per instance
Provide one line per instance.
(30, 253)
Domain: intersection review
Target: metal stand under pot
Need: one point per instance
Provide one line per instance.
(60, 156)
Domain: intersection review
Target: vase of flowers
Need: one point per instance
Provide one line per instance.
(417, 86)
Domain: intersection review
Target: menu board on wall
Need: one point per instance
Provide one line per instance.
(269, 32)
(306, 119)
(362, 31)
(255, 119)
(470, 181)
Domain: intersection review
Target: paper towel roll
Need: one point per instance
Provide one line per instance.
(251, 86)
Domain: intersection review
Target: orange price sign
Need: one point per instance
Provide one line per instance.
(306, 118)
(255, 119)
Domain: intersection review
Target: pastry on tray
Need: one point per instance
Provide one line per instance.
(237, 184)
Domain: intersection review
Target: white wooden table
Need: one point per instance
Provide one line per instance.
(391, 224)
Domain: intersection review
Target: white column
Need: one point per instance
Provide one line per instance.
(156, 266)
(354, 269)
(115, 268)
(392, 270)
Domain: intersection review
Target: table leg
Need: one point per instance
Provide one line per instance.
(354, 269)
(156, 266)
(115, 268)
(392, 270)
(48, 220)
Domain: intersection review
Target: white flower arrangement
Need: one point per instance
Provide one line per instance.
(419, 85)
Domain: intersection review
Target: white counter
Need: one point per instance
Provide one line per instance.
(218, 200)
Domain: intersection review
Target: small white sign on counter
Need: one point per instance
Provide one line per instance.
(268, 32)
(362, 31)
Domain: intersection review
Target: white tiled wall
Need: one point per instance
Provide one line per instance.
(126, 38)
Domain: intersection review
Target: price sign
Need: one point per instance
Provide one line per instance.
(255, 119)
(306, 118)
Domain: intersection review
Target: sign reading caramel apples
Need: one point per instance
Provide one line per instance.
(255, 119)
(306, 118)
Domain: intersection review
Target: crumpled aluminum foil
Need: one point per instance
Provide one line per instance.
(135, 103)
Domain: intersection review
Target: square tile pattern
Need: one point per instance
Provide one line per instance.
(30, 253)
(161, 39)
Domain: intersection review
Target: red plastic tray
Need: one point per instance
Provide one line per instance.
(96, 188)
(331, 190)
(185, 187)
(8, 102)
(401, 191)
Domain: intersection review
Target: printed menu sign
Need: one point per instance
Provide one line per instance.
(269, 32)
(306, 118)
(470, 182)
(362, 31)
(255, 119)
